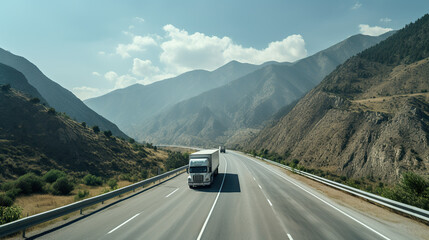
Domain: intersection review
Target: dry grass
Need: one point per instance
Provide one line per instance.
(385, 104)
(37, 203)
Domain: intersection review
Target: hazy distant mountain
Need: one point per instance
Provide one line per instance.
(135, 104)
(368, 118)
(244, 104)
(57, 97)
(17, 80)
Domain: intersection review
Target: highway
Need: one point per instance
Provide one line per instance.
(248, 200)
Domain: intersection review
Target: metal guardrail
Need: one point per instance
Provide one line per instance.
(30, 221)
(403, 208)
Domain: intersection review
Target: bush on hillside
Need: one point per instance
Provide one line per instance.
(53, 175)
(113, 183)
(96, 129)
(108, 133)
(9, 214)
(92, 180)
(62, 186)
(30, 183)
(5, 201)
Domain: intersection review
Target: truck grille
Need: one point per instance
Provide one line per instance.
(198, 178)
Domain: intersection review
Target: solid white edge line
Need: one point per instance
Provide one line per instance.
(339, 210)
(171, 193)
(260, 186)
(269, 202)
(289, 236)
(123, 223)
(254, 178)
(211, 210)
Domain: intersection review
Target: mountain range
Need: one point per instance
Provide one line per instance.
(55, 95)
(232, 112)
(368, 118)
(135, 104)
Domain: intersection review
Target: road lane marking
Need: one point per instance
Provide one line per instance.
(214, 204)
(269, 202)
(254, 178)
(289, 236)
(260, 186)
(171, 193)
(123, 223)
(312, 194)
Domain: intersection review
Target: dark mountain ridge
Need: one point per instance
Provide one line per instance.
(57, 97)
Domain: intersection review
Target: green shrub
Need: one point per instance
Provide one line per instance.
(108, 133)
(30, 183)
(131, 140)
(9, 214)
(5, 88)
(81, 194)
(414, 183)
(53, 175)
(5, 201)
(113, 183)
(12, 193)
(92, 180)
(6, 186)
(83, 124)
(144, 174)
(35, 100)
(96, 129)
(62, 186)
(51, 111)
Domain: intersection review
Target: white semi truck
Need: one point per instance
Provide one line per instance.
(203, 167)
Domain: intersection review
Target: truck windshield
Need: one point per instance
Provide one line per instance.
(198, 169)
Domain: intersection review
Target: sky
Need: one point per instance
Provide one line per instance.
(94, 47)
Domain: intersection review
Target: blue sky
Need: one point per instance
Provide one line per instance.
(93, 47)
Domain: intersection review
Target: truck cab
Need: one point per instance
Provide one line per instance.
(203, 167)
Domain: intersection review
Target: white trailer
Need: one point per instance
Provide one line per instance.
(203, 167)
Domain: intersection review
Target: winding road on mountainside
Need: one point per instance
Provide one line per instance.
(248, 200)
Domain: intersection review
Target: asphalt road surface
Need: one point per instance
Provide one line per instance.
(249, 199)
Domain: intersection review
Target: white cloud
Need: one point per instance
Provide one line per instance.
(131, 27)
(372, 31)
(88, 92)
(357, 6)
(111, 76)
(385, 20)
(139, 19)
(183, 51)
(144, 68)
(138, 44)
(101, 53)
(96, 74)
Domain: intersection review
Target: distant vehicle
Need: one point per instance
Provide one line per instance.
(222, 149)
(203, 167)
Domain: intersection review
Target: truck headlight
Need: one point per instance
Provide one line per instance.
(189, 179)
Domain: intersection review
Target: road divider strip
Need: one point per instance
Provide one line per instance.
(122, 224)
(214, 204)
(171, 193)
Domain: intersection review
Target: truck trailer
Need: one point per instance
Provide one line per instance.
(203, 167)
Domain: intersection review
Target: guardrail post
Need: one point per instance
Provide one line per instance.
(23, 233)
(81, 211)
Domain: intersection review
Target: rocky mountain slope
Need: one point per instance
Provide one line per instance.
(368, 118)
(135, 104)
(226, 114)
(57, 97)
(34, 138)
